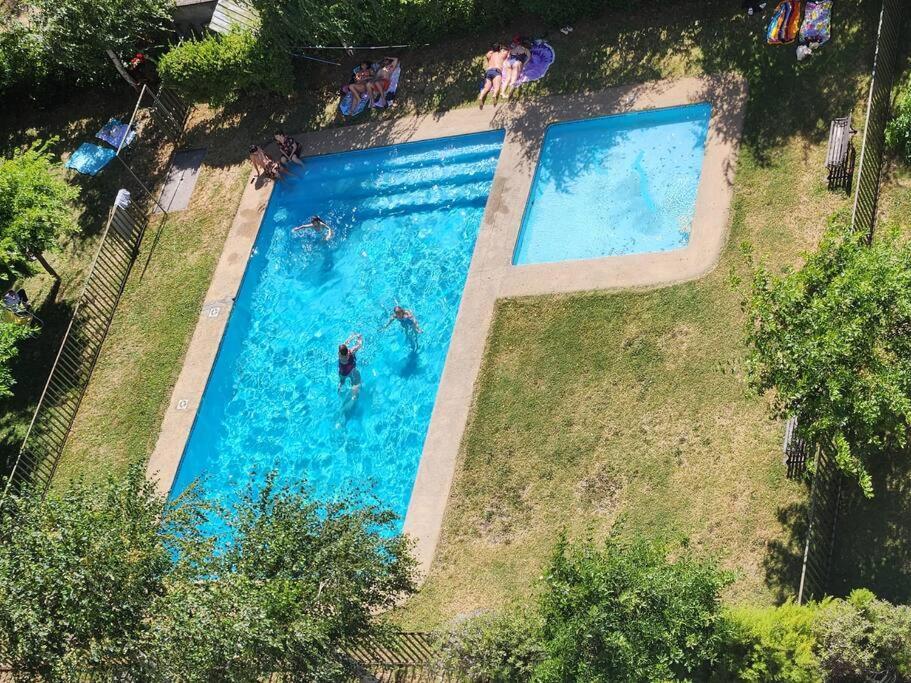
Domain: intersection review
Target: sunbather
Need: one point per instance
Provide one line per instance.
(518, 55)
(289, 147)
(380, 84)
(360, 87)
(493, 72)
(263, 165)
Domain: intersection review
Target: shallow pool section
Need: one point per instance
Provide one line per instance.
(615, 185)
(405, 220)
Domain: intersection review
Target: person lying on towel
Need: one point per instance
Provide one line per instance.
(380, 84)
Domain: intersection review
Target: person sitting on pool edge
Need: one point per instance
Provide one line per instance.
(347, 364)
(406, 318)
(263, 165)
(289, 147)
(316, 223)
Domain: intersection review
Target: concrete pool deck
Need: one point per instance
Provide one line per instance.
(491, 274)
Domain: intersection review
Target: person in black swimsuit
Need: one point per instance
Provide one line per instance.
(518, 55)
(347, 364)
(289, 147)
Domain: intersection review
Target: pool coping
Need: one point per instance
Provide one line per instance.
(491, 274)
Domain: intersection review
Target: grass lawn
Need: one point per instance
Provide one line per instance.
(593, 411)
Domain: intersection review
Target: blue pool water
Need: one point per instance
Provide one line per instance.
(405, 220)
(614, 185)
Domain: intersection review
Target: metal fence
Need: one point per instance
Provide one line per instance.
(822, 523)
(69, 376)
(879, 102)
(401, 658)
(825, 494)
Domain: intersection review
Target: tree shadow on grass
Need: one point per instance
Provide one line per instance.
(873, 540)
(784, 558)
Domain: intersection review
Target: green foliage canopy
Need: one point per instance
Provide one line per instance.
(300, 582)
(74, 34)
(628, 613)
(91, 578)
(832, 340)
(10, 335)
(77, 573)
(35, 207)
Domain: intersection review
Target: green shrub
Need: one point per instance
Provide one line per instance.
(21, 63)
(898, 132)
(863, 638)
(10, 336)
(625, 612)
(500, 648)
(772, 644)
(217, 68)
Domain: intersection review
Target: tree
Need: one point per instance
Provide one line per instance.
(77, 573)
(115, 576)
(898, 132)
(75, 34)
(299, 584)
(626, 613)
(35, 209)
(831, 344)
(10, 336)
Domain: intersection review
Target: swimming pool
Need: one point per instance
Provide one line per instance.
(405, 220)
(623, 184)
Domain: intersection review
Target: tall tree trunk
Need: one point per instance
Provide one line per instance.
(47, 266)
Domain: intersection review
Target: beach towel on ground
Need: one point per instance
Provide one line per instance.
(114, 132)
(89, 158)
(350, 108)
(542, 56)
(817, 22)
(785, 22)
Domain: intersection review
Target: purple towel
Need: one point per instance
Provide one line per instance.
(542, 56)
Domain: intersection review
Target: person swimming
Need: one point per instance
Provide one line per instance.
(347, 364)
(406, 319)
(317, 224)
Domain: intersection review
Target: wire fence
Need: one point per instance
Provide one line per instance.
(885, 67)
(827, 482)
(69, 376)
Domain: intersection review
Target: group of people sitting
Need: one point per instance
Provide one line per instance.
(503, 66)
(290, 151)
(373, 83)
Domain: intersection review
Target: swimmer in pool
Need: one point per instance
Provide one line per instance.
(316, 223)
(406, 318)
(347, 364)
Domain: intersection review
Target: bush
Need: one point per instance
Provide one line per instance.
(863, 638)
(500, 648)
(772, 644)
(21, 62)
(217, 68)
(898, 132)
(627, 613)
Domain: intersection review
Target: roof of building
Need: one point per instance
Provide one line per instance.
(230, 13)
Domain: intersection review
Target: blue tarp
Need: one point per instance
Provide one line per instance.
(89, 158)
